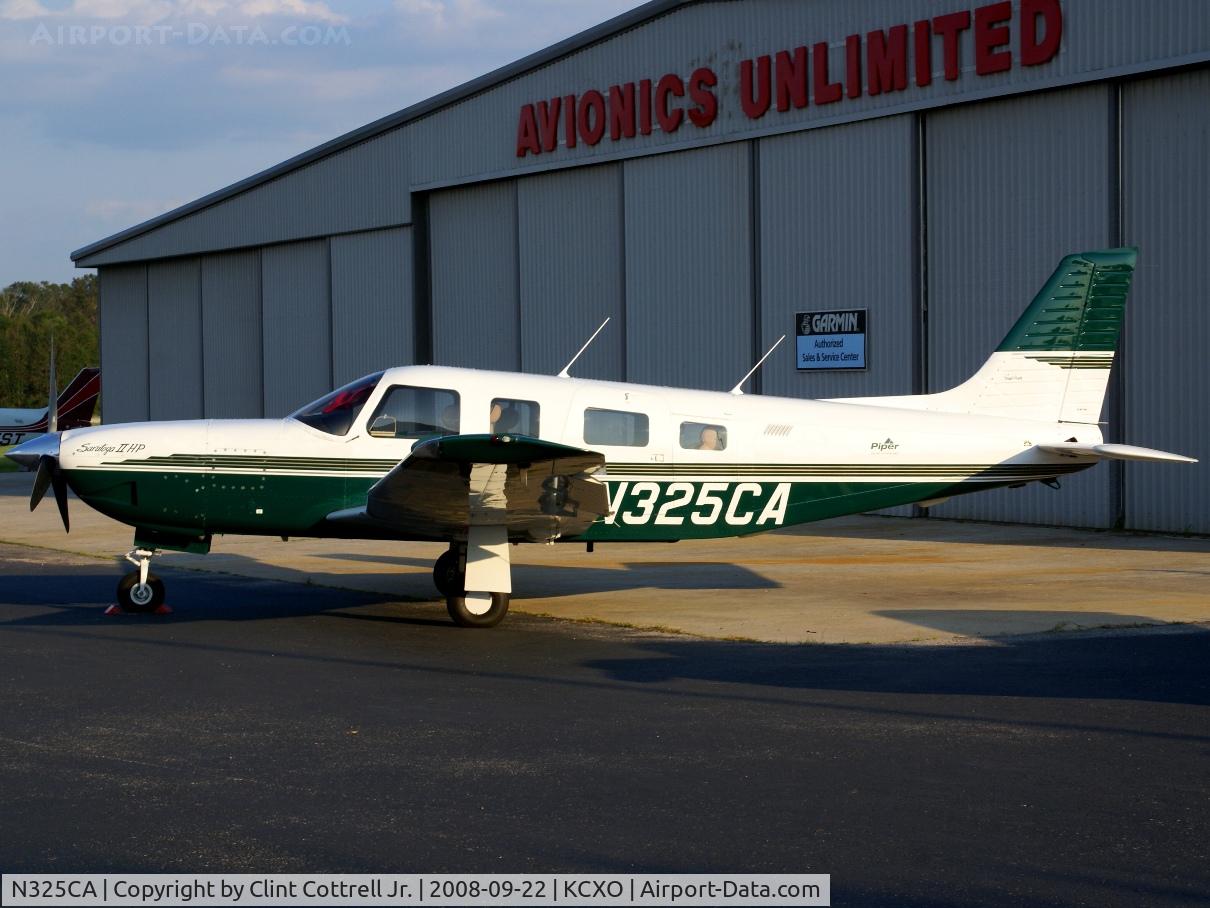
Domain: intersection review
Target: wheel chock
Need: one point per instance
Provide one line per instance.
(118, 610)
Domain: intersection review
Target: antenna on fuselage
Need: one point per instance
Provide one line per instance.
(565, 373)
(760, 362)
(52, 408)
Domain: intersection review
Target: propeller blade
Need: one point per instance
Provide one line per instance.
(41, 481)
(60, 487)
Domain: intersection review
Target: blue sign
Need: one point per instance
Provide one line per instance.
(831, 340)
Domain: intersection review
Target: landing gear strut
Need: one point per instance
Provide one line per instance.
(486, 552)
(140, 590)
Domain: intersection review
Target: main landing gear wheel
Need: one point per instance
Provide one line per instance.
(446, 576)
(134, 596)
(477, 609)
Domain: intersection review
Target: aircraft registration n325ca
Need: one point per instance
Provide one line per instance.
(480, 459)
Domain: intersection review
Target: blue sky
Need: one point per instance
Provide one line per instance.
(113, 111)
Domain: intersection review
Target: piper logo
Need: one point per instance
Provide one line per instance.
(887, 445)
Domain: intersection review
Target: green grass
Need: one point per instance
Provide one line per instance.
(6, 465)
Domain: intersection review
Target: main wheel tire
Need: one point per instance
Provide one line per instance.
(446, 576)
(464, 617)
(136, 597)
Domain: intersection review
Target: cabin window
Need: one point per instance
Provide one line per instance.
(519, 417)
(615, 427)
(334, 413)
(703, 436)
(407, 412)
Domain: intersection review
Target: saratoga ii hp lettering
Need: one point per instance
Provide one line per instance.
(997, 36)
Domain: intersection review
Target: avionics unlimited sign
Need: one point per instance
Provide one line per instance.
(878, 62)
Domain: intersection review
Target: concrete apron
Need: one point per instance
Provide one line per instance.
(852, 580)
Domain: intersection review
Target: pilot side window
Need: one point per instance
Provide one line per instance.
(703, 436)
(334, 413)
(407, 412)
(519, 417)
(615, 427)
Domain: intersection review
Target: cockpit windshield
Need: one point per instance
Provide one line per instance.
(335, 412)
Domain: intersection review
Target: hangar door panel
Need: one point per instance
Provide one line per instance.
(473, 255)
(373, 317)
(123, 343)
(297, 329)
(689, 267)
(174, 329)
(1166, 125)
(1012, 187)
(832, 203)
(571, 271)
(231, 336)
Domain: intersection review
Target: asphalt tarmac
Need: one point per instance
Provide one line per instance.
(268, 726)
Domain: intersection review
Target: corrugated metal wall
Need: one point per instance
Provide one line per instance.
(475, 138)
(367, 185)
(363, 187)
(1166, 140)
(231, 335)
(123, 304)
(373, 315)
(473, 241)
(1012, 187)
(174, 338)
(297, 325)
(837, 231)
(571, 271)
(689, 267)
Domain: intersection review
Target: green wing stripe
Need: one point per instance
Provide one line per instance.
(1080, 308)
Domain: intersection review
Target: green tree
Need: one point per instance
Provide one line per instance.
(30, 314)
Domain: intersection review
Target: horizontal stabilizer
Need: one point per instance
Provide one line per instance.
(1113, 452)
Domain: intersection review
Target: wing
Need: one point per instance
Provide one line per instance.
(1112, 452)
(537, 489)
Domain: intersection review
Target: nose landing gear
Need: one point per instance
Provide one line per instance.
(141, 591)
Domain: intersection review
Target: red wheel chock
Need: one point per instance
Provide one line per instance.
(118, 610)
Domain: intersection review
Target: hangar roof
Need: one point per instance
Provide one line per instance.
(607, 29)
(366, 179)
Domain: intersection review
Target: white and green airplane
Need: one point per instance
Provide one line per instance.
(482, 459)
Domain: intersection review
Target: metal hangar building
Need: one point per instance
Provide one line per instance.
(702, 172)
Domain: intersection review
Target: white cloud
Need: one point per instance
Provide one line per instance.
(321, 86)
(22, 9)
(450, 14)
(140, 12)
(151, 12)
(128, 211)
(103, 135)
(300, 9)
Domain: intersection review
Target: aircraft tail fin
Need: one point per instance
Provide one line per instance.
(79, 399)
(1054, 364)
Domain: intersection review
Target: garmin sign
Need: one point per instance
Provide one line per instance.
(831, 340)
(996, 37)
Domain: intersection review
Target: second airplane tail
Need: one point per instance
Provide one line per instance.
(78, 401)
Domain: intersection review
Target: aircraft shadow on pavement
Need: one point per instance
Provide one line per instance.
(530, 581)
(940, 531)
(996, 622)
(1162, 667)
(79, 598)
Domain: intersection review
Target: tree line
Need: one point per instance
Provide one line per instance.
(30, 315)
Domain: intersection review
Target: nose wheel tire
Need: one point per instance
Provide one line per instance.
(446, 576)
(140, 597)
(477, 610)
